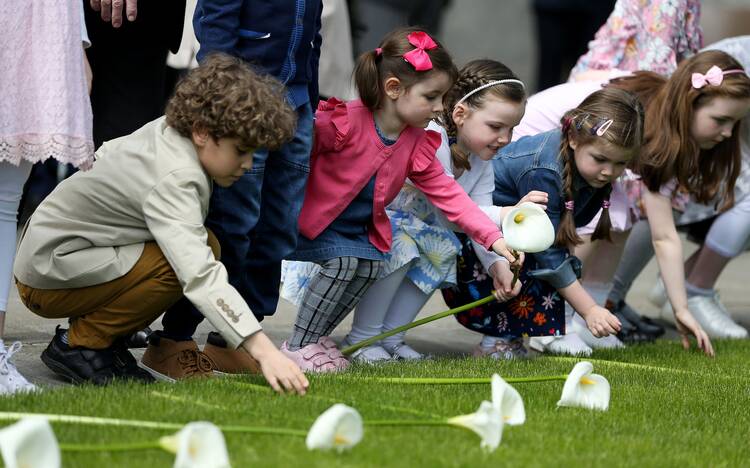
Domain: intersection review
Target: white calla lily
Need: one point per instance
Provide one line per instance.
(508, 401)
(30, 443)
(339, 427)
(585, 389)
(197, 445)
(527, 228)
(487, 423)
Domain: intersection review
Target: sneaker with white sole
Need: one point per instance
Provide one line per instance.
(504, 350)
(658, 293)
(403, 351)
(580, 328)
(571, 344)
(711, 315)
(372, 354)
(11, 381)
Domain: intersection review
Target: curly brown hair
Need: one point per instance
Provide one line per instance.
(226, 98)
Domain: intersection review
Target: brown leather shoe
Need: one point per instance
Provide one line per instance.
(230, 361)
(171, 360)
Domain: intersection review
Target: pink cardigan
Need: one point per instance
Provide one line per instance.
(347, 152)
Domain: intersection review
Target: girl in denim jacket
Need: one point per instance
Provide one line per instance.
(575, 166)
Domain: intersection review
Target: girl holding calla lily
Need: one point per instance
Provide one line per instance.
(480, 111)
(575, 166)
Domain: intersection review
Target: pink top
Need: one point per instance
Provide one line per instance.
(348, 151)
(649, 35)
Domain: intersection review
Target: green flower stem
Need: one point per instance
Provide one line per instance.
(109, 447)
(399, 422)
(89, 420)
(431, 318)
(460, 381)
(264, 430)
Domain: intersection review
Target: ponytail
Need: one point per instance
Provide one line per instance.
(367, 78)
(603, 227)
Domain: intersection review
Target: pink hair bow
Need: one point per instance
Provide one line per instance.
(418, 58)
(714, 76)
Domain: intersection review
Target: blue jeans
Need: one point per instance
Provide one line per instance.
(255, 221)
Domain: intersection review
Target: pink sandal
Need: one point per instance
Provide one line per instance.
(322, 356)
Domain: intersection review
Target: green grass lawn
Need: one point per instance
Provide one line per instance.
(673, 408)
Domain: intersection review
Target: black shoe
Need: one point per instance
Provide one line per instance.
(126, 364)
(643, 324)
(79, 365)
(84, 365)
(138, 339)
(216, 339)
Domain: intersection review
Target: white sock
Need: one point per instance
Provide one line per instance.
(372, 308)
(405, 306)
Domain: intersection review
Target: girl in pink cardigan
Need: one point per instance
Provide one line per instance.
(363, 152)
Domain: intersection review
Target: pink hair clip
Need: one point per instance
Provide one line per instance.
(418, 57)
(605, 204)
(714, 76)
(378, 51)
(569, 205)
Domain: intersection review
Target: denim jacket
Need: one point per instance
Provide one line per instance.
(532, 163)
(280, 37)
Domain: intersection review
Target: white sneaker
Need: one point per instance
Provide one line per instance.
(711, 315)
(11, 381)
(658, 294)
(369, 354)
(403, 351)
(580, 328)
(571, 344)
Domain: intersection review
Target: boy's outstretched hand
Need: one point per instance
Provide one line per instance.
(280, 372)
(500, 248)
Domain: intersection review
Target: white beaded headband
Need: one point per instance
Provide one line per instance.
(485, 86)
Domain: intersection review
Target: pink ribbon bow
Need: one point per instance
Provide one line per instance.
(418, 58)
(714, 76)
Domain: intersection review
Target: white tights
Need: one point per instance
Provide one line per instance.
(392, 301)
(12, 179)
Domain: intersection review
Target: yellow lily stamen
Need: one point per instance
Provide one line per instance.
(587, 381)
(519, 218)
(340, 440)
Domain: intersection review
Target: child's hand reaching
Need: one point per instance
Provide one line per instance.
(687, 325)
(280, 372)
(502, 277)
(500, 248)
(536, 196)
(601, 322)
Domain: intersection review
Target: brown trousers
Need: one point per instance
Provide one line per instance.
(104, 312)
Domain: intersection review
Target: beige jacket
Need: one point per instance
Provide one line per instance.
(143, 187)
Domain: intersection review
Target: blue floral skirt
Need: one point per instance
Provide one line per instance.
(538, 310)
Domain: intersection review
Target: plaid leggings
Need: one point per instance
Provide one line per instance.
(333, 292)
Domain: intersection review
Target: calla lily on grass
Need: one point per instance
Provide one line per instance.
(339, 427)
(585, 389)
(30, 443)
(527, 228)
(486, 422)
(197, 445)
(508, 401)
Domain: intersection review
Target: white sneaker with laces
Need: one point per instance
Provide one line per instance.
(712, 316)
(403, 351)
(580, 328)
(369, 354)
(571, 344)
(11, 381)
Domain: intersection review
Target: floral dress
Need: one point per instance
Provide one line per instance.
(538, 310)
(650, 35)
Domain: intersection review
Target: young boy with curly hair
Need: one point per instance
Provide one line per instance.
(113, 247)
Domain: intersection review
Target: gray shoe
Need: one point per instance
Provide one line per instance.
(714, 317)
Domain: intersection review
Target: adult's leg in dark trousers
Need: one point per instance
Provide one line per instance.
(247, 228)
(275, 235)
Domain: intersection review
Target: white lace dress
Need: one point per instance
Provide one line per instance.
(44, 107)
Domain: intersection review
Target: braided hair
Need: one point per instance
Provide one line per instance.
(473, 75)
(612, 116)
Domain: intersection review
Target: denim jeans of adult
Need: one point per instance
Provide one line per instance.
(255, 221)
